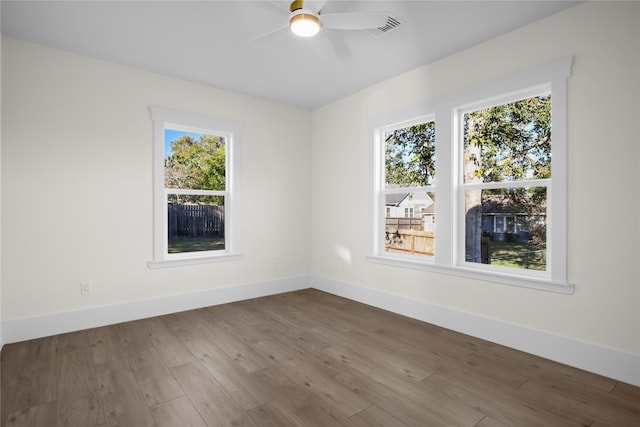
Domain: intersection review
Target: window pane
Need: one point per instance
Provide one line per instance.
(509, 142)
(410, 223)
(194, 161)
(410, 156)
(195, 223)
(507, 227)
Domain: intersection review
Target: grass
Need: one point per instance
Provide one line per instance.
(508, 254)
(195, 244)
(518, 255)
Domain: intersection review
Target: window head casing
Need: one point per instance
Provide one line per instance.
(195, 207)
(501, 182)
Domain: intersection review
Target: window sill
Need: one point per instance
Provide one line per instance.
(507, 279)
(194, 260)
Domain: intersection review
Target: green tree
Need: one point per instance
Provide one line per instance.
(196, 164)
(410, 155)
(508, 142)
(515, 140)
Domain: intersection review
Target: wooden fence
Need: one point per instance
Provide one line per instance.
(195, 220)
(407, 235)
(400, 223)
(415, 242)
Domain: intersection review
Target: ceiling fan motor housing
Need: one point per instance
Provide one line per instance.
(295, 5)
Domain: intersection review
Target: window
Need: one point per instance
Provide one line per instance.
(407, 187)
(506, 169)
(194, 200)
(500, 190)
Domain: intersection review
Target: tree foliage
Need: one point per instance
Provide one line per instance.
(514, 140)
(410, 155)
(196, 164)
(508, 142)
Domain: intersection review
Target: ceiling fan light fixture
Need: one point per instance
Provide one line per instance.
(304, 23)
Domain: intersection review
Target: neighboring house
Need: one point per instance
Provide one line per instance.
(412, 205)
(408, 205)
(501, 222)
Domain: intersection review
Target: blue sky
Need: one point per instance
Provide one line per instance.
(172, 135)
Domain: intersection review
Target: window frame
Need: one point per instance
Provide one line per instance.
(164, 118)
(381, 185)
(449, 189)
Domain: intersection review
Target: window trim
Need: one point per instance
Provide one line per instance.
(164, 118)
(553, 76)
(379, 178)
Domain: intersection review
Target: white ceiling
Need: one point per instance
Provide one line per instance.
(210, 41)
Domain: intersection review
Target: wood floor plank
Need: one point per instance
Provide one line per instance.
(305, 359)
(318, 412)
(171, 349)
(243, 321)
(490, 422)
(407, 411)
(324, 387)
(78, 403)
(461, 367)
(540, 368)
(457, 411)
(36, 382)
(576, 403)
(627, 393)
(233, 378)
(375, 417)
(182, 327)
(154, 378)
(35, 416)
(282, 388)
(105, 344)
(179, 412)
(275, 414)
(402, 377)
(216, 407)
(502, 406)
(122, 400)
(72, 341)
(134, 337)
(242, 353)
(14, 357)
(282, 348)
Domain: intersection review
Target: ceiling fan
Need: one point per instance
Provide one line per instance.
(306, 18)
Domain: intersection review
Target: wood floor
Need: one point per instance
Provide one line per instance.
(298, 359)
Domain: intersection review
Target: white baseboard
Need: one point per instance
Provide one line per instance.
(605, 361)
(16, 330)
(612, 363)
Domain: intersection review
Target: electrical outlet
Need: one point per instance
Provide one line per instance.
(86, 288)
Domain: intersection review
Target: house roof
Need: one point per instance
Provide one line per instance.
(395, 199)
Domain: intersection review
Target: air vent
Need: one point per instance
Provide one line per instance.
(392, 24)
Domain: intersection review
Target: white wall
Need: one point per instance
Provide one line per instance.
(603, 249)
(76, 193)
(77, 185)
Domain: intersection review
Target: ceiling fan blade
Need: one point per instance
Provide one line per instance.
(328, 47)
(314, 5)
(354, 20)
(270, 34)
(276, 6)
